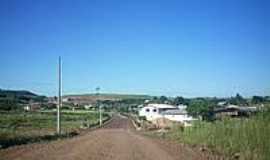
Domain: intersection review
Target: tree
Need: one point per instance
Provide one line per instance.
(238, 100)
(155, 99)
(200, 107)
(8, 105)
(163, 99)
(179, 100)
(257, 100)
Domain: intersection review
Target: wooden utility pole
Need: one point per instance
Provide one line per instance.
(58, 129)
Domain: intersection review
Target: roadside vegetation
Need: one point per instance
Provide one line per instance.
(236, 138)
(244, 137)
(17, 127)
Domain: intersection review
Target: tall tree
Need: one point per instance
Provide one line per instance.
(179, 100)
(163, 99)
(199, 107)
(238, 100)
(257, 100)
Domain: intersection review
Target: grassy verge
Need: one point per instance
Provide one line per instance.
(26, 127)
(248, 138)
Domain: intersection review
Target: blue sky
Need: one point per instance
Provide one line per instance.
(182, 47)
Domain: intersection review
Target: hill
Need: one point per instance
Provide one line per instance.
(13, 98)
(91, 98)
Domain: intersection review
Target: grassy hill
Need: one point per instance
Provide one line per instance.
(12, 98)
(92, 98)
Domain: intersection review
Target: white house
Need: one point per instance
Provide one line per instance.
(27, 108)
(173, 113)
(153, 111)
(88, 106)
(32, 107)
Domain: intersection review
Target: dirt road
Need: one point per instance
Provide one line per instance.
(115, 141)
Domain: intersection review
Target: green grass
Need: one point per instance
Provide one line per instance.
(27, 126)
(248, 137)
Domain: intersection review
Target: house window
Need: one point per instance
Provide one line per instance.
(154, 110)
(147, 110)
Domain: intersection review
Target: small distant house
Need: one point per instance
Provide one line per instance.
(146, 101)
(88, 106)
(222, 103)
(153, 112)
(65, 99)
(234, 111)
(26, 108)
(32, 107)
(51, 105)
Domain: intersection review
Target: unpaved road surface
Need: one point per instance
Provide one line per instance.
(115, 141)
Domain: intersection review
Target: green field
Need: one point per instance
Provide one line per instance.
(24, 127)
(248, 138)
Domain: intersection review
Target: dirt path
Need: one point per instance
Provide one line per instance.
(115, 141)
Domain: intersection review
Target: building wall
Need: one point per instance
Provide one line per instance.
(179, 118)
(150, 113)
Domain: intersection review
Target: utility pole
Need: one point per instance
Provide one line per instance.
(99, 106)
(58, 129)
